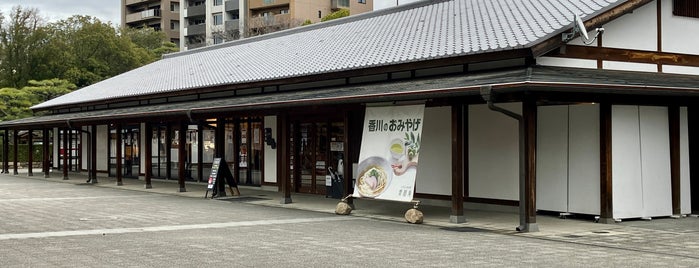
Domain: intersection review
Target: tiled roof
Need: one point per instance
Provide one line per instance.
(415, 32)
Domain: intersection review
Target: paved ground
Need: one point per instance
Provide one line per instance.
(57, 223)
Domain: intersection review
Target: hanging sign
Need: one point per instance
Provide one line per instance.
(388, 157)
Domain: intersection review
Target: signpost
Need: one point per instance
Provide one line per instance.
(219, 168)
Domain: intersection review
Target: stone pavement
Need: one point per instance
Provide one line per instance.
(667, 236)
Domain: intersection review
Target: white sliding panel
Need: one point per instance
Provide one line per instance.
(584, 160)
(627, 188)
(655, 161)
(685, 194)
(552, 158)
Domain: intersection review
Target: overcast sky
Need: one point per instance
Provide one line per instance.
(53, 10)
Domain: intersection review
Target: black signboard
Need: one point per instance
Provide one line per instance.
(219, 169)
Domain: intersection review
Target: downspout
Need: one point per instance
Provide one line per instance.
(486, 94)
(90, 165)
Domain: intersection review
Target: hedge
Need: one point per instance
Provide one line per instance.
(22, 153)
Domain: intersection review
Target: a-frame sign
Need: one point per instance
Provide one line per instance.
(219, 169)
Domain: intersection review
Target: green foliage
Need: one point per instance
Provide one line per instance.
(80, 49)
(336, 15)
(15, 103)
(22, 153)
(306, 22)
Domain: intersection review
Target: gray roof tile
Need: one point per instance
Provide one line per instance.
(414, 32)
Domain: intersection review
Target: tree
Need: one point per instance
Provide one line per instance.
(336, 15)
(21, 39)
(15, 103)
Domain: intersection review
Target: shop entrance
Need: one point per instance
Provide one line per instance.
(319, 146)
(130, 158)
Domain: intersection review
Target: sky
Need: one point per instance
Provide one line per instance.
(54, 10)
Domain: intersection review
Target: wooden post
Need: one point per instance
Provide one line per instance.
(46, 168)
(284, 153)
(606, 201)
(220, 145)
(348, 172)
(168, 151)
(93, 154)
(674, 120)
(6, 152)
(15, 142)
(65, 154)
(529, 116)
(30, 155)
(119, 156)
(148, 154)
(457, 164)
(200, 152)
(182, 159)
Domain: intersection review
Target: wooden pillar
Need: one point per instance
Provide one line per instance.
(606, 201)
(93, 154)
(148, 154)
(457, 164)
(284, 154)
(693, 135)
(220, 150)
(46, 154)
(529, 111)
(15, 142)
(30, 152)
(674, 120)
(65, 153)
(347, 167)
(6, 152)
(119, 156)
(182, 159)
(168, 151)
(200, 152)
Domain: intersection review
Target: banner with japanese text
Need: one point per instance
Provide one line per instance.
(388, 157)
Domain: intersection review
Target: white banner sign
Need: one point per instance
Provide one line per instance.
(388, 158)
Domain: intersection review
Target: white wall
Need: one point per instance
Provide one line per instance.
(102, 137)
(56, 148)
(271, 154)
(434, 172)
(85, 143)
(552, 158)
(678, 27)
(584, 160)
(493, 152)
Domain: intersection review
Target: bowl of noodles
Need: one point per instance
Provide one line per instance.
(374, 176)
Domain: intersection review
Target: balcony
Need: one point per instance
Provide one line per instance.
(232, 25)
(274, 20)
(232, 5)
(135, 2)
(339, 4)
(143, 15)
(194, 11)
(258, 4)
(199, 29)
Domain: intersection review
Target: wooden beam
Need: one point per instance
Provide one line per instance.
(629, 55)
(30, 152)
(182, 156)
(6, 152)
(284, 154)
(93, 153)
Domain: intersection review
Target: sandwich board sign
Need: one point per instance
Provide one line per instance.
(220, 170)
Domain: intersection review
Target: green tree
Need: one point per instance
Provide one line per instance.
(44, 90)
(336, 15)
(22, 36)
(14, 104)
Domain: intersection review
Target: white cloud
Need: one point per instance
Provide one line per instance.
(53, 10)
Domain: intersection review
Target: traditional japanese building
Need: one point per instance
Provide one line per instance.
(519, 108)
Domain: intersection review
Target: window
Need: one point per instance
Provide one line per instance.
(218, 18)
(175, 25)
(361, 1)
(218, 40)
(686, 8)
(175, 7)
(218, 2)
(284, 11)
(197, 21)
(268, 2)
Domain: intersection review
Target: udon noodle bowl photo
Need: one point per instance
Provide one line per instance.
(373, 176)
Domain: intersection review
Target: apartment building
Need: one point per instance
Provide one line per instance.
(162, 15)
(206, 22)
